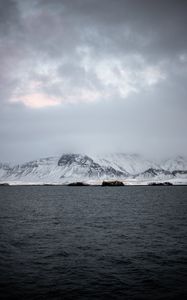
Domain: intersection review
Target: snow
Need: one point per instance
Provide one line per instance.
(129, 168)
(131, 163)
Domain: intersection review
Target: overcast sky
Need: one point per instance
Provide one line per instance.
(92, 76)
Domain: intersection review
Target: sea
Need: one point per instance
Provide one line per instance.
(62, 242)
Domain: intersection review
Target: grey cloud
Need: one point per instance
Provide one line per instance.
(56, 48)
(9, 17)
(158, 26)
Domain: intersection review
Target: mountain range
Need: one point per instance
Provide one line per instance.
(129, 168)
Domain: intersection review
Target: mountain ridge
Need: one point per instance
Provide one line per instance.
(70, 167)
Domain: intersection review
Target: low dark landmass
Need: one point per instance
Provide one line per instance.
(49, 184)
(112, 183)
(104, 183)
(78, 184)
(160, 183)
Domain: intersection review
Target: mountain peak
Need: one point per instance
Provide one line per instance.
(71, 167)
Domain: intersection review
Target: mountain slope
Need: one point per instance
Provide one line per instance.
(130, 163)
(78, 167)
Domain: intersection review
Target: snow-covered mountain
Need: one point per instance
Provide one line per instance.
(130, 168)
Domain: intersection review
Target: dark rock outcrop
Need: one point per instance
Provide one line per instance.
(151, 172)
(88, 166)
(179, 172)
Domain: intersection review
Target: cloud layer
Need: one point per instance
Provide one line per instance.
(108, 74)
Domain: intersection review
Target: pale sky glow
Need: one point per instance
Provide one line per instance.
(115, 78)
(37, 100)
(105, 75)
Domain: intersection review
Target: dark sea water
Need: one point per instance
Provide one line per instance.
(93, 242)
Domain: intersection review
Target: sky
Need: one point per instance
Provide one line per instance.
(92, 76)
